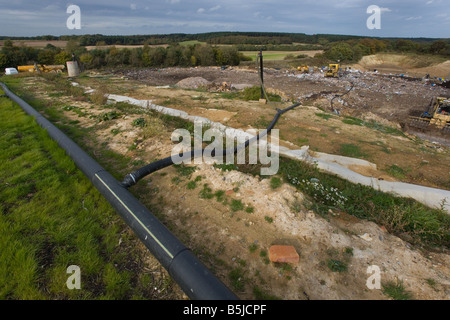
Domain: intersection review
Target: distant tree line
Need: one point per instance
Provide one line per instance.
(354, 50)
(217, 48)
(257, 38)
(146, 56)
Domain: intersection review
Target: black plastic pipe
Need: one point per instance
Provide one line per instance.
(133, 177)
(339, 96)
(187, 270)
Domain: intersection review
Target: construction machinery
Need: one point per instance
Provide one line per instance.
(306, 69)
(41, 68)
(333, 70)
(437, 116)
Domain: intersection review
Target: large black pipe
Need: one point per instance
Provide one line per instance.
(186, 269)
(133, 177)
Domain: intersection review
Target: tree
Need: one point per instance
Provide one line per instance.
(46, 56)
(204, 55)
(3, 61)
(340, 52)
(62, 58)
(438, 46)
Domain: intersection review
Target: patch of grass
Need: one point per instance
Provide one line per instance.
(191, 185)
(106, 116)
(353, 121)
(237, 279)
(396, 291)
(139, 122)
(115, 131)
(153, 127)
(236, 205)
(183, 170)
(99, 96)
(336, 265)
(261, 123)
(325, 116)
(249, 209)
(254, 93)
(219, 195)
(268, 219)
(396, 172)
(253, 247)
(260, 295)
(372, 125)
(275, 182)
(51, 217)
(206, 192)
(351, 150)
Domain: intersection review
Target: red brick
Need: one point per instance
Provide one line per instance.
(280, 253)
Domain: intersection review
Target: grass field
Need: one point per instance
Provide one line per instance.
(278, 55)
(51, 217)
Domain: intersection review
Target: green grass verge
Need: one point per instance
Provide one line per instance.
(52, 217)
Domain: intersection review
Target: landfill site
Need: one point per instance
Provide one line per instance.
(356, 125)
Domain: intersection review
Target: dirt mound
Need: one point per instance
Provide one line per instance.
(193, 83)
(419, 65)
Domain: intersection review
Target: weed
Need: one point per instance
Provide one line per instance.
(249, 209)
(183, 170)
(396, 172)
(106, 116)
(220, 195)
(268, 219)
(237, 279)
(336, 265)
(275, 182)
(115, 131)
(206, 192)
(139, 122)
(191, 185)
(253, 247)
(99, 97)
(396, 291)
(236, 205)
(432, 283)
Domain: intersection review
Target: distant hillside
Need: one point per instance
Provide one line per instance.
(257, 38)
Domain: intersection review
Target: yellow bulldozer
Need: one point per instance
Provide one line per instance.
(437, 116)
(41, 68)
(303, 69)
(333, 70)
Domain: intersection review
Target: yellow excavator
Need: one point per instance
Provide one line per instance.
(437, 116)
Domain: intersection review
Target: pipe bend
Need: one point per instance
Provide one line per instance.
(132, 178)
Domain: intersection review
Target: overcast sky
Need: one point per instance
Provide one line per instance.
(403, 18)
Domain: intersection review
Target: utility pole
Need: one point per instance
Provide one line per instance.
(261, 71)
